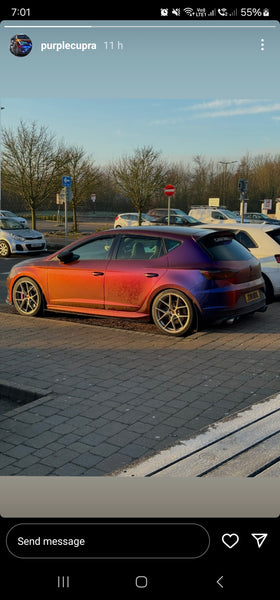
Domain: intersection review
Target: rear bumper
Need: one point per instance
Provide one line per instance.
(242, 307)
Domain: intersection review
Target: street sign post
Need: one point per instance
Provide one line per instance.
(66, 196)
(242, 188)
(169, 191)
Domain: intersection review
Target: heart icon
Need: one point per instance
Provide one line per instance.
(230, 539)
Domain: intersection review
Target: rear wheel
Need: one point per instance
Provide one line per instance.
(173, 312)
(27, 297)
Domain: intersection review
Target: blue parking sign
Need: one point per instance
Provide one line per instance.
(66, 181)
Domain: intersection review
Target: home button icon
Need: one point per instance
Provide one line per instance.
(141, 581)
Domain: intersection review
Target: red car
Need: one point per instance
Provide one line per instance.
(174, 275)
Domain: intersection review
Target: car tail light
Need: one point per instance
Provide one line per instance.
(219, 274)
(117, 218)
(277, 258)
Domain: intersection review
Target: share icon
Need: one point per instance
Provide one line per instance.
(260, 538)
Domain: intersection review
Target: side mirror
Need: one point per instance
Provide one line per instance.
(67, 256)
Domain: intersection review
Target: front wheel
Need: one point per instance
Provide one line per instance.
(4, 249)
(27, 297)
(173, 313)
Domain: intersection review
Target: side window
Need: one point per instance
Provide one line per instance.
(217, 215)
(97, 249)
(171, 244)
(245, 239)
(139, 248)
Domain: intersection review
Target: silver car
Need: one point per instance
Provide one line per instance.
(10, 215)
(15, 238)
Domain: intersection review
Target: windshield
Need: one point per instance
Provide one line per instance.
(229, 214)
(147, 217)
(10, 224)
(193, 220)
(7, 213)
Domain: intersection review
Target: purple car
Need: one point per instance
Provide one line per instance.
(176, 276)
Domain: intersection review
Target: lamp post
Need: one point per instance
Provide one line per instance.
(2, 108)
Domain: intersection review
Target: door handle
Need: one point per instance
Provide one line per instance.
(97, 273)
(151, 274)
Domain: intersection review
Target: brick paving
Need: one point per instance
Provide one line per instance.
(107, 397)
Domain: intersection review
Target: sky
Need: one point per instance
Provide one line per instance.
(185, 90)
(222, 129)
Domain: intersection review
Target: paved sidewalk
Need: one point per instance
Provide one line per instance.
(107, 397)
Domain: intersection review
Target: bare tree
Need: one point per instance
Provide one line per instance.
(84, 178)
(32, 163)
(140, 177)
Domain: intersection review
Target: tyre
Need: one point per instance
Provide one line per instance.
(27, 297)
(4, 249)
(173, 312)
(269, 293)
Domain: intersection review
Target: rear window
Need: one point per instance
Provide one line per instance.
(245, 239)
(224, 248)
(275, 235)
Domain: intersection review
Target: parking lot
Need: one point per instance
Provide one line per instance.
(109, 396)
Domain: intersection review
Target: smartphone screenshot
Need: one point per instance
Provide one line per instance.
(139, 300)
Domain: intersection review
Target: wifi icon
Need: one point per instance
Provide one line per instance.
(189, 12)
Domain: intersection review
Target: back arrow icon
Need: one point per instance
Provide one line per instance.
(219, 581)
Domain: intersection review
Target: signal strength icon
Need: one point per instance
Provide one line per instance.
(189, 12)
(212, 13)
(233, 13)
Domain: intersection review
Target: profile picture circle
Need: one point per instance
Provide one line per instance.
(20, 44)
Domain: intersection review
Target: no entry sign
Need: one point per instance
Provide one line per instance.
(169, 190)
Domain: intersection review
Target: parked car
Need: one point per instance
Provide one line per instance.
(131, 220)
(212, 214)
(10, 214)
(162, 212)
(256, 217)
(15, 238)
(263, 241)
(186, 221)
(175, 276)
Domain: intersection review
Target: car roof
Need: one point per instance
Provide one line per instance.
(245, 226)
(131, 213)
(165, 229)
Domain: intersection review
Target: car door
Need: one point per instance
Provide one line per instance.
(80, 283)
(139, 265)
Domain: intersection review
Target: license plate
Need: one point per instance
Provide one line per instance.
(250, 296)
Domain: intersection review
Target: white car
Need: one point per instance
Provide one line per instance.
(131, 220)
(10, 215)
(17, 239)
(212, 214)
(263, 241)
